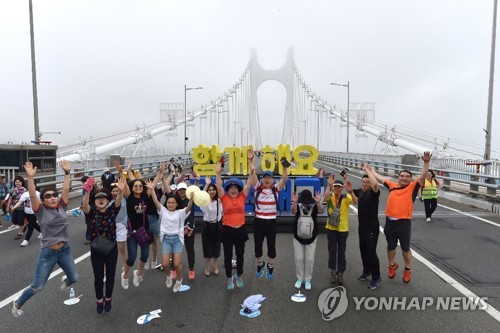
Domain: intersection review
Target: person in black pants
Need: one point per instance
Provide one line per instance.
(101, 223)
(368, 230)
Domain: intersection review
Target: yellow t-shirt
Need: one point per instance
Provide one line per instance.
(344, 212)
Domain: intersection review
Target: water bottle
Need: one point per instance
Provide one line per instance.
(72, 293)
(7, 217)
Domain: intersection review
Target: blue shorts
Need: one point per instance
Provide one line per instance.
(154, 224)
(171, 244)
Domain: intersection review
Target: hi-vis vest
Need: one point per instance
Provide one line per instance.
(429, 191)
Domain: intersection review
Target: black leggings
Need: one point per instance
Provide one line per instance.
(31, 225)
(265, 229)
(237, 238)
(211, 240)
(189, 245)
(430, 206)
(99, 262)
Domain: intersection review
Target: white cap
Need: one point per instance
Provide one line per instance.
(182, 185)
(173, 187)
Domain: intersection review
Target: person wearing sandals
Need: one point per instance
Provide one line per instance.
(55, 249)
(304, 248)
(212, 216)
(233, 197)
(101, 222)
(172, 219)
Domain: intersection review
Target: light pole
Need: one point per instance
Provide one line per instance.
(345, 85)
(33, 77)
(185, 115)
(487, 146)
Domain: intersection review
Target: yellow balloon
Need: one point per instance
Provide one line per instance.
(201, 198)
(191, 189)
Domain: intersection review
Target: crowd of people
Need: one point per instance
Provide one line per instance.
(132, 213)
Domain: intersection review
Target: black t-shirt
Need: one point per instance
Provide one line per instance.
(150, 205)
(137, 212)
(190, 218)
(367, 208)
(314, 216)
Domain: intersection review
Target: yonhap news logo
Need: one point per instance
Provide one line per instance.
(333, 303)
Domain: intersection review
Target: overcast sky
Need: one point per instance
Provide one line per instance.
(104, 64)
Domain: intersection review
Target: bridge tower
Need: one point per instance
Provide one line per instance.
(284, 75)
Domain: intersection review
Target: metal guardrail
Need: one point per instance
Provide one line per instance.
(473, 184)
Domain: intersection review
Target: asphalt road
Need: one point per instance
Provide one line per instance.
(465, 248)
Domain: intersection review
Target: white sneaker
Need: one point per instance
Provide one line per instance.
(137, 279)
(15, 311)
(124, 282)
(39, 236)
(177, 286)
(64, 286)
(146, 265)
(168, 283)
(24, 243)
(298, 284)
(12, 227)
(153, 264)
(428, 220)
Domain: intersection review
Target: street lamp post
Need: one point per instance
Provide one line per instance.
(345, 85)
(185, 115)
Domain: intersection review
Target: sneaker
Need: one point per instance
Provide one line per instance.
(24, 243)
(239, 280)
(340, 278)
(191, 275)
(230, 283)
(12, 227)
(19, 236)
(407, 275)
(298, 284)
(107, 305)
(39, 236)
(269, 271)
(333, 278)
(169, 281)
(64, 286)
(308, 285)
(137, 279)
(260, 269)
(153, 264)
(124, 282)
(146, 265)
(428, 220)
(364, 276)
(100, 306)
(177, 286)
(392, 271)
(16, 312)
(374, 284)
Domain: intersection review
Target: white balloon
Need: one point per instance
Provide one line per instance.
(191, 189)
(201, 198)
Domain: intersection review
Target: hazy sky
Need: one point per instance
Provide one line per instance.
(108, 64)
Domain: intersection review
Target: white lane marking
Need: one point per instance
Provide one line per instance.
(470, 215)
(15, 296)
(448, 279)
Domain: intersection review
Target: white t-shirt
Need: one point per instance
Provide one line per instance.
(172, 223)
(210, 212)
(25, 197)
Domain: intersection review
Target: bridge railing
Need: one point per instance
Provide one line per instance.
(471, 183)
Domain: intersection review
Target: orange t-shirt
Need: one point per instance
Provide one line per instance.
(234, 210)
(400, 200)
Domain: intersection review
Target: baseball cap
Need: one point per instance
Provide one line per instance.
(106, 170)
(2, 175)
(338, 182)
(181, 186)
(101, 195)
(267, 173)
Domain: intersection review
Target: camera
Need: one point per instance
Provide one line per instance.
(344, 172)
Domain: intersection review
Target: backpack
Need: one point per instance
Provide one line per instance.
(305, 223)
(274, 190)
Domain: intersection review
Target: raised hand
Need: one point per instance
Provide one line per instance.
(208, 180)
(318, 197)
(218, 169)
(162, 167)
(250, 154)
(65, 165)
(121, 184)
(117, 166)
(331, 179)
(30, 170)
(348, 186)
(427, 156)
(295, 197)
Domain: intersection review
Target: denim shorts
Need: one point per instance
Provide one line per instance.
(171, 244)
(154, 224)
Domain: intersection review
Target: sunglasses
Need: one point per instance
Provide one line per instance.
(51, 195)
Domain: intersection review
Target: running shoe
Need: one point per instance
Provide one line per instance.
(239, 280)
(230, 283)
(169, 281)
(391, 273)
(177, 286)
(124, 282)
(308, 285)
(16, 312)
(298, 284)
(269, 271)
(407, 276)
(260, 269)
(364, 276)
(374, 284)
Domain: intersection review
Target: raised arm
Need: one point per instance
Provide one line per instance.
(66, 166)
(283, 180)
(85, 201)
(159, 175)
(165, 183)
(348, 188)
(30, 173)
(331, 179)
(250, 158)
(130, 174)
(249, 184)
(208, 180)
(426, 158)
(190, 204)
(368, 169)
(295, 200)
(218, 180)
(121, 186)
(157, 203)
(317, 198)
